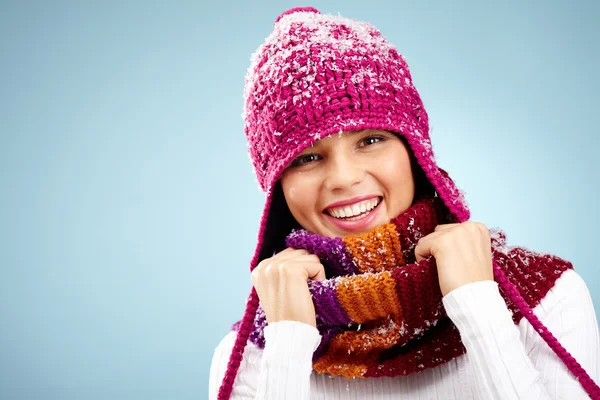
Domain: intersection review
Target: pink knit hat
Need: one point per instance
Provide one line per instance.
(315, 75)
(318, 74)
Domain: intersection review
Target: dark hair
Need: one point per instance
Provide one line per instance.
(422, 185)
(283, 222)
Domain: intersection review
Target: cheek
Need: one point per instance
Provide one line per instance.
(300, 195)
(291, 194)
(395, 170)
(291, 198)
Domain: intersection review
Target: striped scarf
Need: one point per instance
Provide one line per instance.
(380, 313)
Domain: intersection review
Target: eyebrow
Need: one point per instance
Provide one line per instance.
(357, 132)
(350, 133)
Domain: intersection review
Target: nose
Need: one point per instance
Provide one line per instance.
(343, 171)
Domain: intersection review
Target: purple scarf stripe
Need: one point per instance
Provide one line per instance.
(326, 336)
(327, 306)
(331, 251)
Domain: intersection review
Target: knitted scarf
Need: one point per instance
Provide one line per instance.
(380, 312)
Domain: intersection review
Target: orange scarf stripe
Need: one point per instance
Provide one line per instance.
(375, 251)
(350, 353)
(363, 299)
(328, 365)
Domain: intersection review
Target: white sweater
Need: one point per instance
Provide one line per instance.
(503, 360)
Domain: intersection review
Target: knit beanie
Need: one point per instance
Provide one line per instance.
(316, 75)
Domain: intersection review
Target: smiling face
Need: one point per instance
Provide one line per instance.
(349, 183)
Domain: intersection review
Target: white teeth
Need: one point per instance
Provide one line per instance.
(354, 210)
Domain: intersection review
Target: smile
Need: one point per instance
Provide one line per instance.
(355, 211)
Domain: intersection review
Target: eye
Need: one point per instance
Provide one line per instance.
(370, 140)
(305, 159)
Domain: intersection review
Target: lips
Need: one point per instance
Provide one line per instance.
(352, 211)
(349, 216)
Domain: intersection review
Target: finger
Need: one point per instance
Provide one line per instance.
(423, 248)
(303, 258)
(285, 251)
(290, 253)
(298, 257)
(312, 270)
(284, 255)
(315, 271)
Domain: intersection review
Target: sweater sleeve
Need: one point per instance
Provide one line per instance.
(280, 371)
(515, 362)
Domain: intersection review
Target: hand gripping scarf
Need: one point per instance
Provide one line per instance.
(380, 312)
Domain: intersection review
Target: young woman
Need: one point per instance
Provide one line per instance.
(370, 281)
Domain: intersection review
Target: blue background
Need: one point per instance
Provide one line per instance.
(128, 207)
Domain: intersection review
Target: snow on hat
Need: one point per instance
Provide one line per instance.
(315, 75)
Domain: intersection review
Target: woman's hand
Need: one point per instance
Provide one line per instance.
(282, 285)
(462, 253)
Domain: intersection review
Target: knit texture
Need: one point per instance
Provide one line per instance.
(316, 75)
(383, 316)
